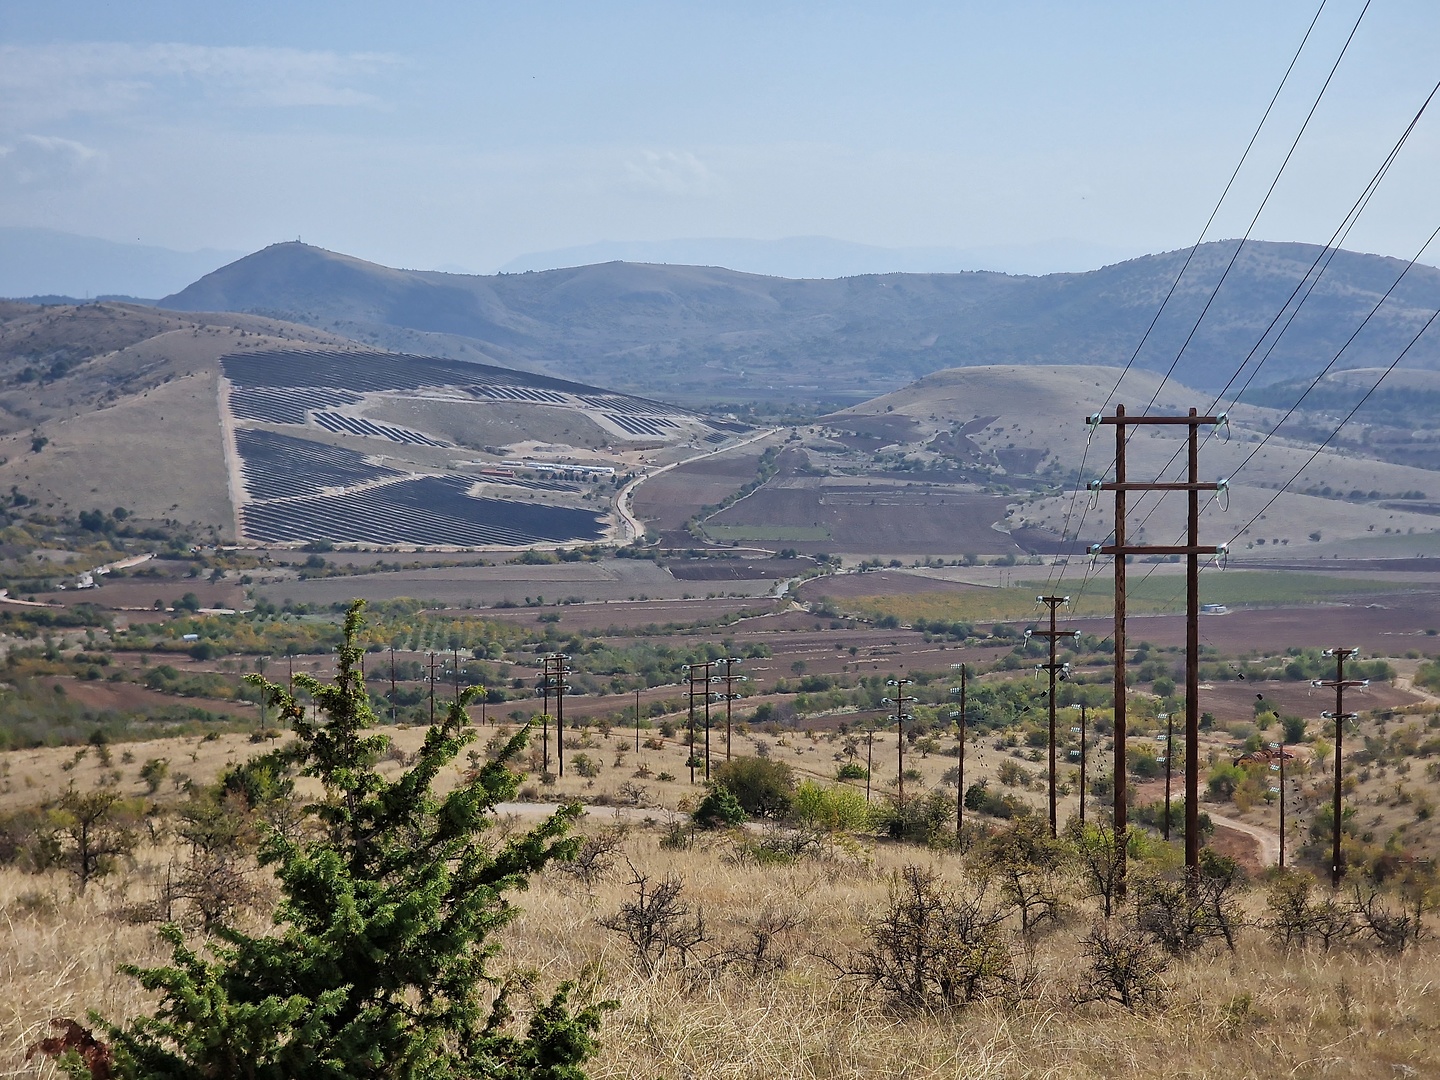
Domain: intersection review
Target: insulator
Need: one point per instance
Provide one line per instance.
(1223, 420)
(1222, 555)
(1094, 487)
(1222, 493)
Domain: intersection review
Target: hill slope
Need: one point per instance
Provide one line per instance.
(709, 332)
(276, 432)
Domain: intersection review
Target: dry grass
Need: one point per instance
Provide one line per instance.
(1257, 1013)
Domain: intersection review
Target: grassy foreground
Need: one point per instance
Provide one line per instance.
(1261, 1011)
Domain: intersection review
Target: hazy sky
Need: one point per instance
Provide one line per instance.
(463, 133)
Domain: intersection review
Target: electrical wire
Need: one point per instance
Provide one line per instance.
(1321, 375)
(1080, 471)
(1261, 208)
(1326, 255)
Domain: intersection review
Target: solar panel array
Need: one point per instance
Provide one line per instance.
(354, 425)
(503, 392)
(432, 511)
(276, 466)
(287, 405)
(658, 426)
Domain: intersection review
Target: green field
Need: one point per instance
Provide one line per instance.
(767, 532)
(1157, 595)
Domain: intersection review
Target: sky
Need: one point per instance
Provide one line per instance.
(462, 135)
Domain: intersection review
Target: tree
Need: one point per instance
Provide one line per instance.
(763, 788)
(719, 809)
(91, 830)
(1101, 852)
(1026, 862)
(376, 966)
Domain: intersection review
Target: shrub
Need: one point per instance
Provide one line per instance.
(936, 947)
(719, 809)
(377, 962)
(763, 788)
(830, 809)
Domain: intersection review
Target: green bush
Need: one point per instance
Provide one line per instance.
(763, 788)
(831, 809)
(376, 965)
(718, 810)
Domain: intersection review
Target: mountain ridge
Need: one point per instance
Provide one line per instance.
(707, 333)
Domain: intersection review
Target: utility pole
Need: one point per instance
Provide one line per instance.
(432, 689)
(699, 674)
(960, 756)
(637, 721)
(869, 759)
(545, 714)
(562, 669)
(392, 684)
(730, 680)
(1192, 550)
(1340, 716)
(900, 700)
(1082, 763)
(553, 669)
(1169, 739)
(1052, 602)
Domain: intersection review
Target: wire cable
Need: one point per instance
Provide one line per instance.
(1080, 471)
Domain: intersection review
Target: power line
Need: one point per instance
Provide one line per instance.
(1326, 255)
(1261, 208)
(1080, 472)
(1316, 381)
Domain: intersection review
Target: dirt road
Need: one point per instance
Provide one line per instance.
(1268, 839)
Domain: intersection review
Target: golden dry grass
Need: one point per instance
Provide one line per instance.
(1259, 1013)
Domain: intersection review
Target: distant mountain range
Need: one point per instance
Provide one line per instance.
(825, 257)
(706, 333)
(46, 263)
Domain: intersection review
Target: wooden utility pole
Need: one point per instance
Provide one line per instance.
(1340, 684)
(900, 700)
(392, 684)
(432, 689)
(637, 721)
(730, 680)
(699, 674)
(869, 760)
(960, 755)
(1054, 668)
(1169, 740)
(1192, 550)
(1082, 763)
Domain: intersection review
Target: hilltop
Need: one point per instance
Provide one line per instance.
(253, 428)
(709, 333)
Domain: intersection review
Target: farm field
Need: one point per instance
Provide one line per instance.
(609, 580)
(881, 519)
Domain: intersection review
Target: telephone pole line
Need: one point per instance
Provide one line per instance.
(1052, 634)
(1192, 550)
(1340, 684)
(959, 718)
(900, 700)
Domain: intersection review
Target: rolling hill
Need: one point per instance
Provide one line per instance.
(256, 429)
(705, 333)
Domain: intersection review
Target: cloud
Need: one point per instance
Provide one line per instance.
(47, 161)
(41, 83)
(669, 172)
